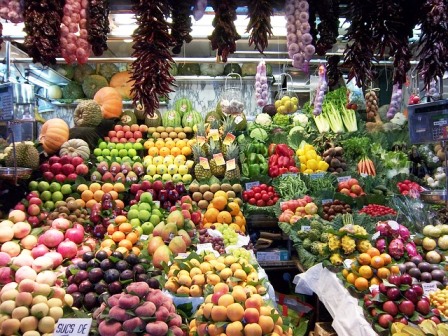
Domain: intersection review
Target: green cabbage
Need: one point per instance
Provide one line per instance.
(259, 134)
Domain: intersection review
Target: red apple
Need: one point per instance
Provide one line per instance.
(186, 206)
(423, 307)
(418, 289)
(411, 295)
(33, 220)
(134, 188)
(186, 199)
(120, 134)
(65, 159)
(60, 178)
(131, 140)
(35, 200)
(44, 167)
(48, 176)
(126, 128)
(112, 134)
(56, 168)
(390, 307)
(123, 140)
(395, 280)
(67, 169)
(132, 202)
(32, 194)
(134, 127)
(118, 127)
(407, 307)
(54, 159)
(82, 169)
(186, 214)
(385, 320)
(114, 139)
(107, 139)
(393, 293)
(406, 279)
(401, 319)
(146, 185)
(107, 177)
(128, 135)
(435, 319)
(71, 177)
(196, 217)
(138, 194)
(356, 189)
(383, 289)
(137, 135)
(20, 206)
(33, 210)
(77, 160)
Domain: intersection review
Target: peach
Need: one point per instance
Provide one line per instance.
(6, 307)
(113, 300)
(16, 216)
(198, 279)
(196, 291)
(40, 309)
(19, 313)
(239, 294)
(128, 301)
(12, 248)
(234, 329)
(119, 314)
(56, 313)
(213, 330)
(109, 328)
(43, 289)
(10, 327)
(253, 329)
(195, 271)
(219, 313)
(279, 321)
(23, 299)
(226, 300)
(235, 312)
(9, 295)
(68, 299)
(265, 311)
(162, 314)
(266, 323)
(240, 274)
(253, 302)
(46, 325)
(171, 286)
(184, 290)
(202, 329)
(235, 267)
(5, 258)
(251, 315)
(207, 310)
(140, 289)
(176, 331)
(157, 328)
(25, 273)
(278, 329)
(147, 309)
(28, 323)
(205, 267)
(221, 288)
(184, 280)
(21, 230)
(174, 320)
(225, 273)
(168, 303)
(213, 279)
(133, 324)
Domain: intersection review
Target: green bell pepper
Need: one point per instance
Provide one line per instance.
(254, 170)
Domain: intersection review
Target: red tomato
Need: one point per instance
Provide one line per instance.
(265, 197)
(263, 186)
(263, 192)
(270, 202)
(256, 189)
(260, 203)
(352, 182)
(270, 193)
(250, 193)
(275, 199)
(271, 188)
(343, 185)
(253, 201)
(257, 196)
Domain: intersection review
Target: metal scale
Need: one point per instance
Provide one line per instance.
(428, 123)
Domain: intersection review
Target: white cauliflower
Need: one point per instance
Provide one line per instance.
(263, 119)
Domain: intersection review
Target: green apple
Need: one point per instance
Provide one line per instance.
(139, 230)
(172, 169)
(154, 219)
(138, 146)
(161, 169)
(66, 189)
(146, 197)
(100, 158)
(49, 205)
(144, 206)
(33, 185)
(128, 145)
(134, 207)
(43, 185)
(135, 222)
(144, 215)
(132, 213)
(151, 169)
(132, 152)
(156, 177)
(45, 195)
(166, 177)
(126, 159)
(136, 158)
(57, 196)
(183, 169)
(114, 152)
(187, 178)
(147, 228)
(105, 152)
(111, 145)
(119, 146)
(122, 152)
(97, 152)
(117, 159)
(55, 186)
(147, 178)
(157, 212)
(102, 145)
(177, 178)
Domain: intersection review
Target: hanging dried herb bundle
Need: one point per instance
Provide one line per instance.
(1, 35)
(43, 27)
(334, 74)
(259, 26)
(224, 35)
(433, 42)
(181, 26)
(98, 25)
(328, 28)
(152, 43)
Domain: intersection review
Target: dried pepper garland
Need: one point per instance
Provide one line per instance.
(152, 43)
(224, 35)
(1, 35)
(328, 28)
(259, 27)
(42, 27)
(181, 26)
(433, 41)
(98, 25)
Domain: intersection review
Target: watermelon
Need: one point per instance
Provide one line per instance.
(128, 118)
(171, 118)
(155, 120)
(232, 67)
(212, 116)
(191, 118)
(183, 105)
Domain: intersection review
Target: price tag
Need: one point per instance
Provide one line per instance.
(373, 287)
(250, 185)
(393, 225)
(348, 263)
(204, 163)
(326, 201)
(230, 138)
(376, 235)
(230, 165)
(204, 247)
(305, 228)
(316, 176)
(157, 204)
(200, 140)
(72, 327)
(214, 134)
(290, 174)
(238, 120)
(344, 178)
(219, 159)
(428, 288)
(182, 255)
(144, 237)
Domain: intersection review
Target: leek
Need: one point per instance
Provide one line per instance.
(349, 118)
(334, 118)
(322, 123)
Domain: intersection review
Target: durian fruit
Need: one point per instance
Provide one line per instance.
(27, 156)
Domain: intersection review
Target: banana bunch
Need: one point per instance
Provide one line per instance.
(427, 327)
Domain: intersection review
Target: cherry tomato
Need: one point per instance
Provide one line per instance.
(250, 193)
(263, 186)
(257, 196)
(271, 188)
(270, 202)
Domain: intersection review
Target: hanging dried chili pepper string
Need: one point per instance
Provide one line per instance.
(224, 35)
(328, 27)
(152, 43)
(181, 26)
(98, 25)
(259, 26)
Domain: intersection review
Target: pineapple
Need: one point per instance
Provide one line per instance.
(217, 171)
(232, 153)
(228, 126)
(199, 171)
(201, 132)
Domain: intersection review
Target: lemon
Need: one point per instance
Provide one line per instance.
(311, 164)
(295, 101)
(318, 158)
(285, 99)
(281, 110)
(288, 106)
(303, 167)
(294, 108)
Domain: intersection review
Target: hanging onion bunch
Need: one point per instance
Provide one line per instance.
(299, 39)
(261, 85)
(224, 35)
(259, 26)
(42, 27)
(152, 42)
(11, 10)
(328, 27)
(98, 25)
(433, 55)
(181, 26)
(395, 102)
(432, 90)
(320, 93)
(199, 9)
(75, 47)
(371, 105)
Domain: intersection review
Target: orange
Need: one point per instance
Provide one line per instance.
(234, 207)
(148, 144)
(125, 228)
(240, 221)
(351, 277)
(170, 144)
(120, 219)
(132, 237)
(221, 193)
(361, 284)
(118, 236)
(219, 202)
(153, 151)
(394, 269)
(373, 251)
(234, 226)
(386, 258)
(90, 203)
(377, 262)
(126, 244)
(119, 204)
(175, 151)
(164, 151)
(114, 194)
(80, 203)
(119, 187)
(123, 250)
(107, 242)
(383, 273)
(224, 217)
(86, 195)
(345, 272)
(82, 187)
(98, 195)
(181, 143)
(211, 215)
(111, 228)
(364, 259)
(136, 250)
(95, 186)
(365, 271)
(159, 144)
(107, 187)
(375, 281)
(186, 150)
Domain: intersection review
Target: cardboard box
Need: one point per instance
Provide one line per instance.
(324, 329)
(273, 254)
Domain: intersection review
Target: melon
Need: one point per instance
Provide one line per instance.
(128, 118)
(240, 122)
(212, 116)
(212, 69)
(189, 69)
(171, 119)
(54, 92)
(154, 121)
(249, 69)
(183, 105)
(191, 118)
(232, 68)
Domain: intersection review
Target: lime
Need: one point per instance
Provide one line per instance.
(97, 152)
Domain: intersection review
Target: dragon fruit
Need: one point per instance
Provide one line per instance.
(404, 232)
(396, 248)
(411, 249)
(381, 244)
(383, 228)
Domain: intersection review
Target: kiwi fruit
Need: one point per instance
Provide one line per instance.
(226, 187)
(208, 195)
(203, 204)
(193, 187)
(237, 188)
(231, 194)
(197, 196)
(203, 188)
(215, 187)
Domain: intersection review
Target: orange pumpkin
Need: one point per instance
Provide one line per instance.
(110, 101)
(53, 134)
(122, 82)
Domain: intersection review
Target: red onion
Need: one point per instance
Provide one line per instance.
(76, 234)
(52, 238)
(11, 10)
(67, 249)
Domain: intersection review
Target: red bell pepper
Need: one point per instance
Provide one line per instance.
(293, 169)
(273, 171)
(283, 161)
(271, 149)
(273, 160)
(282, 150)
(283, 170)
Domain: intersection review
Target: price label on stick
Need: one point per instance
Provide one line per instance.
(344, 178)
(229, 139)
(72, 327)
(428, 288)
(219, 159)
(250, 185)
(204, 163)
(305, 228)
(214, 134)
(200, 140)
(230, 165)
(316, 176)
(326, 201)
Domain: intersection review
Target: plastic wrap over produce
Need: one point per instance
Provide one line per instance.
(348, 317)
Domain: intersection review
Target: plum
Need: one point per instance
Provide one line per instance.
(128, 301)
(91, 300)
(113, 300)
(115, 287)
(134, 324)
(109, 328)
(141, 289)
(100, 287)
(157, 328)
(96, 274)
(111, 275)
(122, 265)
(119, 314)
